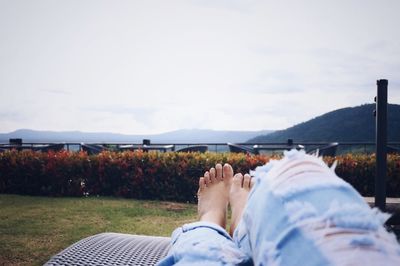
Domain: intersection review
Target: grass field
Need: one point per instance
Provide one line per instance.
(32, 229)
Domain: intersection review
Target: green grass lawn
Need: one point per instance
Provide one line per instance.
(32, 229)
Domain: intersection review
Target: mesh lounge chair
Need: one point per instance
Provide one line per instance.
(123, 249)
(392, 150)
(49, 147)
(161, 148)
(240, 149)
(328, 150)
(194, 148)
(128, 147)
(92, 149)
(113, 249)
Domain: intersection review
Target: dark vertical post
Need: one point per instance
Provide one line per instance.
(381, 142)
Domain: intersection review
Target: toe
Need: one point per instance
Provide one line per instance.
(213, 175)
(202, 184)
(238, 180)
(246, 181)
(218, 170)
(227, 172)
(207, 178)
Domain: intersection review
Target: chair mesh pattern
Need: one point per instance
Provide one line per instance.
(114, 249)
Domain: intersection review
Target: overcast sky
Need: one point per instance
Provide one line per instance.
(155, 66)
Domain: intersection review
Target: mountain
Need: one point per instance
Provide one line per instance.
(347, 124)
(178, 136)
(207, 136)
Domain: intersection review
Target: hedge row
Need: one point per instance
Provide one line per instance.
(133, 174)
(359, 171)
(152, 175)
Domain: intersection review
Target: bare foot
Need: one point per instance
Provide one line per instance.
(239, 192)
(213, 194)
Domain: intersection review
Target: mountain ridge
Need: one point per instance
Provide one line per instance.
(177, 136)
(348, 124)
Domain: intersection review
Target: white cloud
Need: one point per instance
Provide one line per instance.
(153, 66)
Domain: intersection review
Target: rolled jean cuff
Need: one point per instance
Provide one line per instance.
(188, 227)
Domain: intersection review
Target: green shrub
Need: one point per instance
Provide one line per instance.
(152, 175)
(359, 171)
(133, 174)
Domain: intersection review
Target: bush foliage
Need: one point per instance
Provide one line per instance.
(152, 175)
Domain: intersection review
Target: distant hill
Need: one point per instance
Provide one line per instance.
(347, 124)
(178, 136)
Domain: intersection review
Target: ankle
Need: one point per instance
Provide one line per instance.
(214, 216)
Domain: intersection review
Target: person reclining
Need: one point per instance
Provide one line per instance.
(294, 211)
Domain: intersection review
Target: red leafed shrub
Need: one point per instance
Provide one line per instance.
(35, 173)
(152, 175)
(359, 171)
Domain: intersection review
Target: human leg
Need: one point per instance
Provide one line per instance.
(206, 242)
(300, 213)
(238, 195)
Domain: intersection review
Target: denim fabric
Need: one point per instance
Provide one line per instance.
(298, 213)
(203, 243)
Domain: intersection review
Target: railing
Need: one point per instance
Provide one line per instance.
(273, 148)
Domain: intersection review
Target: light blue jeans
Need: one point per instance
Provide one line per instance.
(298, 213)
